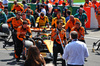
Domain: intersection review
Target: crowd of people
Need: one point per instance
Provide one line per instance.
(65, 26)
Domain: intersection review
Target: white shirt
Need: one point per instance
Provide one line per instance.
(49, 5)
(44, 11)
(5, 2)
(75, 52)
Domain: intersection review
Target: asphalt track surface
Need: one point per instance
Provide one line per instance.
(7, 54)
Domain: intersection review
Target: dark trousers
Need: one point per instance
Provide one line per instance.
(74, 65)
(56, 49)
(14, 37)
(18, 48)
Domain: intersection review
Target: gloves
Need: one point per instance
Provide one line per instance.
(23, 41)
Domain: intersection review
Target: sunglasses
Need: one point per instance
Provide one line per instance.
(60, 23)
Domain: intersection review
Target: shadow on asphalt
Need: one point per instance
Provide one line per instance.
(98, 53)
(12, 61)
(94, 30)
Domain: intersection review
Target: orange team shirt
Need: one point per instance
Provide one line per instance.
(88, 5)
(21, 32)
(2, 7)
(80, 32)
(98, 4)
(95, 4)
(28, 21)
(15, 22)
(98, 10)
(70, 24)
(62, 34)
(18, 8)
(27, 9)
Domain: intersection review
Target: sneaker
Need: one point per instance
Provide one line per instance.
(17, 59)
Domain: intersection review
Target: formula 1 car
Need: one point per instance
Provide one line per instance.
(44, 43)
(5, 33)
(96, 46)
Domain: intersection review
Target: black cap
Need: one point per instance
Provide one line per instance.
(64, 3)
(56, 3)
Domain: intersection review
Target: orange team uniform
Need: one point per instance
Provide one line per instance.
(21, 32)
(2, 7)
(98, 4)
(17, 8)
(80, 32)
(27, 9)
(95, 4)
(62, 34)
(98, 16)
(15, 22)
(60, 2)
(70, 24)
(54, 21)
(88, 5)
(28, 21)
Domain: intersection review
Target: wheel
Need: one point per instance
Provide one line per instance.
(4, 46)
(23, 57)
(96, 46)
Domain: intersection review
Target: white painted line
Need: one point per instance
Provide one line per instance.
(93, 38)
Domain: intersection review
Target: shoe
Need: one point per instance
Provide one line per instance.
(17, 59)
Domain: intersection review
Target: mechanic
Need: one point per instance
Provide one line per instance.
(3, 17)
(98, 16)
(17, 7)
(54, 20)
(21, 32)
(9, 14)
(82, 17)
(30, 17)
(88, 3)
(80, 30)
(25, 19)
(57, 47)
(42, 21)
(71, 23)
(28, 7)
(64, 10)
(37, 6)
(13, 24)
(55, 10)
(1, 5)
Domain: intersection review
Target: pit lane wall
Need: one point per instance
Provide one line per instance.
(92, 21)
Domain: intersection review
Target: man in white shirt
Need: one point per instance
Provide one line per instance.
(75, 52)
(43, 9)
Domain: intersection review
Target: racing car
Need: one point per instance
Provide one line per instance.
(44, 43)
(5, 33)
(96, 46)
